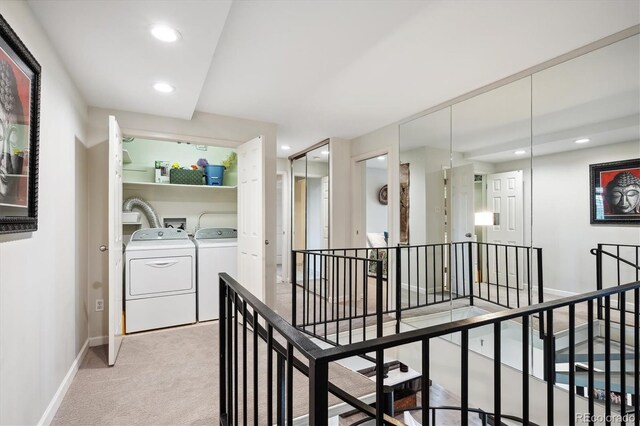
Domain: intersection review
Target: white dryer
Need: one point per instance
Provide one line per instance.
(160, 281)
(217, 252)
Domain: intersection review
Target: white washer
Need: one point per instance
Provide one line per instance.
(160, 281)
(217, 252)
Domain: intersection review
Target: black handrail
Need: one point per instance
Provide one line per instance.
(599, 252)
(596, 251)
(235, 302)
(387, 342)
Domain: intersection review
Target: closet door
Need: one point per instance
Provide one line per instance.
(251, 217)
(115, 239)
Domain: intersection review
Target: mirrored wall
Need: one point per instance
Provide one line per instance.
(508, 170)
(310, 206)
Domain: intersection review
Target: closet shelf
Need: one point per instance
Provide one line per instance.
(171, 187)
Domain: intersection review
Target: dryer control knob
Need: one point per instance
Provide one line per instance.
(219, 232)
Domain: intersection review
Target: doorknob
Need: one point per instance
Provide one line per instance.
(468, 235)
(104, 248)
(266, 242)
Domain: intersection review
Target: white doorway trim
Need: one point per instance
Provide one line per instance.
(285, 211)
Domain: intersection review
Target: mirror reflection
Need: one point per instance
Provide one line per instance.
(585, 111)
(490, 170)
(310, 215)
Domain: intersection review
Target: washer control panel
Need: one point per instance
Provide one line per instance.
(216, 233)
(152, 234)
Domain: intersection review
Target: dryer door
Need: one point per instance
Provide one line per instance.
(160, 276)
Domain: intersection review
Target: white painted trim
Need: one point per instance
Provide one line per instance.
(98, 341)
(420, 290)
(52, 408)
(172, 137)
(560, 293)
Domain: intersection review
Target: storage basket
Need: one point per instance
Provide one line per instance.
(186, 177)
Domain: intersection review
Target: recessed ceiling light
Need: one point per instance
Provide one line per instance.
(165, 33)
(325, 152)
(520, 152)
(285, 147)
(382, 157)
(163, 87)
(585, 140)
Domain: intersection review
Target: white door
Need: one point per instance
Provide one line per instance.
(279, 219)
(115, 239)
(504, 196)
(251, 229)
(462, 224)
(325, 212)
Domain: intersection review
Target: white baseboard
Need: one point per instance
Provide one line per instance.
(560, 293)
(52, 408)
(98, 341)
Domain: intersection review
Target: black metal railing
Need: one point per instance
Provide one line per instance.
(567, 306)
(255, 341)
(503, 270)
(488, 271)
(616, 264)
(244, 319)
(338, 290)
(346, 289)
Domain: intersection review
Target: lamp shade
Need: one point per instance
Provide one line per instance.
(484, 218)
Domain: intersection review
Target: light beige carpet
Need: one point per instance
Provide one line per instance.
(170, 377)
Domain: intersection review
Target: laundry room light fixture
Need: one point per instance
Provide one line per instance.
(165, 33)
(163, 87)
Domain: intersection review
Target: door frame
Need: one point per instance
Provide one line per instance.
(358, 218)
(286, 224)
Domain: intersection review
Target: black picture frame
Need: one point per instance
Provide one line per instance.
(20, 76)
(609, 205)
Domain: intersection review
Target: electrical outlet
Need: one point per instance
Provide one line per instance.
(99, 305)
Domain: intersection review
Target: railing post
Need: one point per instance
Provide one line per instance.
(464, 377)
(378, 298)
(470, 254)
(551, 367)
(540, 276)
(599, 278)
(222, 332)
(399, 287)
(318, 392)
(294, 284)
(380, 397)
(540, 290)
(280, 389)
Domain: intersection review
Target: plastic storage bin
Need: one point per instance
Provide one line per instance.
(214, 174)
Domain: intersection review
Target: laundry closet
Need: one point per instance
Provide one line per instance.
(179, 226)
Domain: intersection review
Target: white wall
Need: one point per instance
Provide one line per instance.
(202, 128)
(43, 275)
(561, 216)
(376, 212)
(561, 221)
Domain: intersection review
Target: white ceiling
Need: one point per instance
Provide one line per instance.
(592, 96)
(317, 68)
